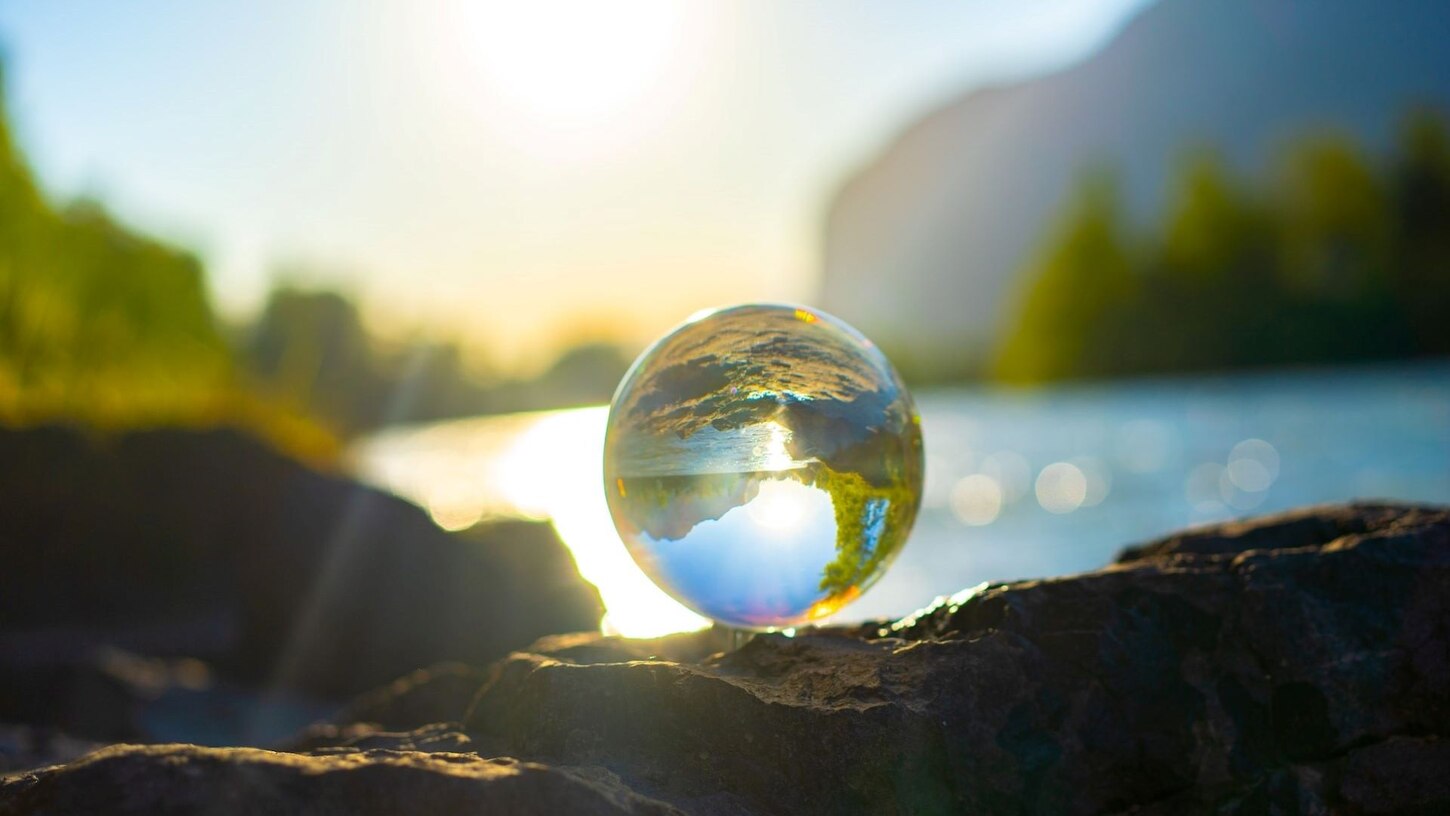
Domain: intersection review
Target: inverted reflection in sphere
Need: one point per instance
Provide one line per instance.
(763, 464)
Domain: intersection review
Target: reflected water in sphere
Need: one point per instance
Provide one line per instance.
(763, 465)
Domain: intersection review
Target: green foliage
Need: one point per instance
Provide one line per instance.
(851, 496)
(104, 326)
(1333, 260)
(312, 351)
(108, 328)
(95, 320)
(1419, 185)
(1083, 285)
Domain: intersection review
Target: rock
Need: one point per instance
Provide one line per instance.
(111, 695)
(206, 543)
(441, 693)
(23, 747)
(1310, 527)
(438, 737)
(1295, 663)
(100, 695)
(186, 779)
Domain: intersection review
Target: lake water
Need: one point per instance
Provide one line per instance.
(1020, 483)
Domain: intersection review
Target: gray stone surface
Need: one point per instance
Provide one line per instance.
(1294, 663)
(137, 779)
(208, 544)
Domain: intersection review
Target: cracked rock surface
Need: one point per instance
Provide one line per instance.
(1292, 663)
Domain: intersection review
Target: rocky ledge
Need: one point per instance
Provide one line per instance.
(1294, 663)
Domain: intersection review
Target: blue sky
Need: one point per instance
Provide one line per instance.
(521, 174)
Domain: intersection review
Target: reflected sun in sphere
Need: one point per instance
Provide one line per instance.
(780, 506)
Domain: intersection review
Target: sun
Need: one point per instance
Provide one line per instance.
(568, 60)
(781, 506)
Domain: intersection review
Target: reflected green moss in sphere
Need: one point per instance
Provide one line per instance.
(763, 464)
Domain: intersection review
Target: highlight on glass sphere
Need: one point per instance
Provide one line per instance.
(763, 464)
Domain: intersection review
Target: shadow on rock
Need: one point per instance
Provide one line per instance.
(209, 545)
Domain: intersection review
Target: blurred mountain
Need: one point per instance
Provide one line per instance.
(922, 245)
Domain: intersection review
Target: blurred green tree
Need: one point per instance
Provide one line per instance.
(1419, 186)
(1083, 285)
(1203, 279)
(95, 319)
(1334, 260)
(102, 325)
(313, 351)
(583, 374)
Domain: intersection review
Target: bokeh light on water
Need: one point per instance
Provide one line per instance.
(1156, 456)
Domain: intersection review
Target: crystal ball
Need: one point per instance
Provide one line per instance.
(763, 464)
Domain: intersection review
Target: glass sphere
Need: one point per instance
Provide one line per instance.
(763, 464)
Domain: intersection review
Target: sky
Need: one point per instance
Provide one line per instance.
(521, 175)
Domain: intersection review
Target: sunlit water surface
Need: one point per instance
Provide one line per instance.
(1019, 484)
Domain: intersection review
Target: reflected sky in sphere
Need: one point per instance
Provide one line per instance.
(763, 465)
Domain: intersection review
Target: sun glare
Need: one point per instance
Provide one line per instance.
(542, 466)
(780, 506)
(553, 468)
(573, 60)
(774, 453)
